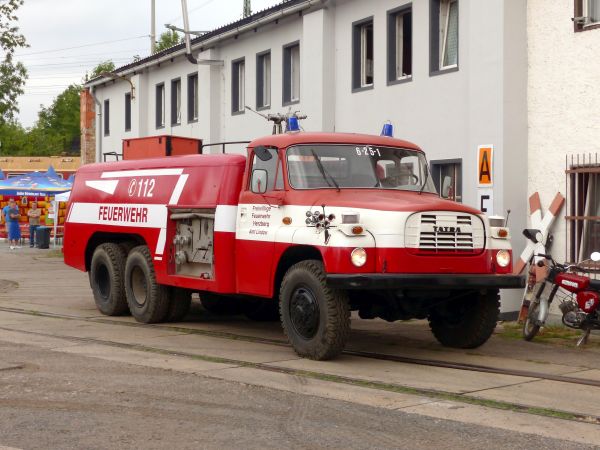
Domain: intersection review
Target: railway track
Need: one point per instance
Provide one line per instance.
(356, 353)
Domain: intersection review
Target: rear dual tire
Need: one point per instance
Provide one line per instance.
(148, 301)
(106, 279)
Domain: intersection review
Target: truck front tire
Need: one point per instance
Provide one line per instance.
(466, 322)
(315, 318)
(106, 279)
(148, 301)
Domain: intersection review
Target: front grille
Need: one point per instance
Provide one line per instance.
(443, 232)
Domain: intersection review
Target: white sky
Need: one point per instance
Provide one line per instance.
(53, 27)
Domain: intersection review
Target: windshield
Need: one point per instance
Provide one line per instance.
(352, 166)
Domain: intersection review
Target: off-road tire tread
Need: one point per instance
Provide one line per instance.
(158, 298)
(485, 308)
(180, 301)
(338, 314)
(116, 257)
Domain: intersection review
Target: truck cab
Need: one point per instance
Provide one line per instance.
(307, 228)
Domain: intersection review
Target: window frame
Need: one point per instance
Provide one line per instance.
(127, 111)
(175, 101)
(160, 111)
(238, 87)
(288, 74)
(580, 10)
(359, 54)
(263, 83)
(193, 102)
(280, 173)
(437, 41)
(393, 16)
(435, 170)
(106, 118)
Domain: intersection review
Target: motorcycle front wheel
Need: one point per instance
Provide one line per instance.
(530, 329)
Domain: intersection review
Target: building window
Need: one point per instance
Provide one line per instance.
(160, 105)
(291, 73)
(192, 96)
(362, 54)
(176, 101)
(447, 177)
(583, 207)
(400, 44)
(128, 111)
(106, 117)
(587, 14)
(444, 35)
(263, 80)
(238, 86)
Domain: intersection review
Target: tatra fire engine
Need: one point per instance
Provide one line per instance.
(307, 228)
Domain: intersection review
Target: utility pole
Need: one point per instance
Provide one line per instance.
(247, 8)
(152, 27)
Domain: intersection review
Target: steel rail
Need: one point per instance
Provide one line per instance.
(357, 353)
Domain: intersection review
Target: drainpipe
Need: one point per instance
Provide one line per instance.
(99, 130)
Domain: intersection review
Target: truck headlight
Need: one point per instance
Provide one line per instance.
(359, 257)
(503, 258)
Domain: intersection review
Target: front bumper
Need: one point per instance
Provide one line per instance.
(425, 281)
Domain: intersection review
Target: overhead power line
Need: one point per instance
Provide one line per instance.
(81, 46)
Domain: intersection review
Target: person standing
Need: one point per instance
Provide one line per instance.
(11, 216)
(34, 214)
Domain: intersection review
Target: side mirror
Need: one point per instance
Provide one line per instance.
(263, 153)
(259, 181)
(533, 235)
(595, 256)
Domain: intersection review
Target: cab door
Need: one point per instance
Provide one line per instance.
(259, 217)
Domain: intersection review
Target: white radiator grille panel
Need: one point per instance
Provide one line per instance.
(445, 231)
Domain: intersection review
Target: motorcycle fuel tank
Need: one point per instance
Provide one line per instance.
(572, 282)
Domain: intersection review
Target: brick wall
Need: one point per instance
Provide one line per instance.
(88, 127)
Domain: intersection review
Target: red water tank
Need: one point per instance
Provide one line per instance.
(155, 146)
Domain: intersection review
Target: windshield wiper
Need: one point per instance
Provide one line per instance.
(426, 178)
(324, 172)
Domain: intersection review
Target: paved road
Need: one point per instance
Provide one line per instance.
(57, 400)
(75, 391)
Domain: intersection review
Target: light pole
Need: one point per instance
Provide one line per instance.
(152, 27)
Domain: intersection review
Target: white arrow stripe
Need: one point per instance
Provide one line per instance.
(178, 189)
(107, 186)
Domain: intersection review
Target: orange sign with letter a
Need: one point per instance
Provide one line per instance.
(485, 154)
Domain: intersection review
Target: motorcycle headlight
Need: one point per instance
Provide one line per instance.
(358, 257)
(503, 258)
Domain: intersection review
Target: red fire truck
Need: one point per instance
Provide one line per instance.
(307, 228)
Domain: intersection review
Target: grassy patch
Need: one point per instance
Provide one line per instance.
(550, 334)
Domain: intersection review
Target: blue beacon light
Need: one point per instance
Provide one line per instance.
(292, 124)
(388, 130)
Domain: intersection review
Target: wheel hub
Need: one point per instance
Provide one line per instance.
(139, 286)
(304, 313)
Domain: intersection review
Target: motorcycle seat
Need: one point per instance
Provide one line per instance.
(595, 284)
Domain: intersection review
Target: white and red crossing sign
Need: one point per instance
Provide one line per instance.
(543, 224)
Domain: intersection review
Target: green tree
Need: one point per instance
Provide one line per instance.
(105, 66)
(55, 132)
(58, 124)
(12, 74)
(167, 39)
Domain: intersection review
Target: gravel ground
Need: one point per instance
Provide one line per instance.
(64, 401)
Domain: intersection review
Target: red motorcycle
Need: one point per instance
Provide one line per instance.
(580, 296)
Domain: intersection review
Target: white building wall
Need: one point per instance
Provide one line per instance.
(563, 100)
